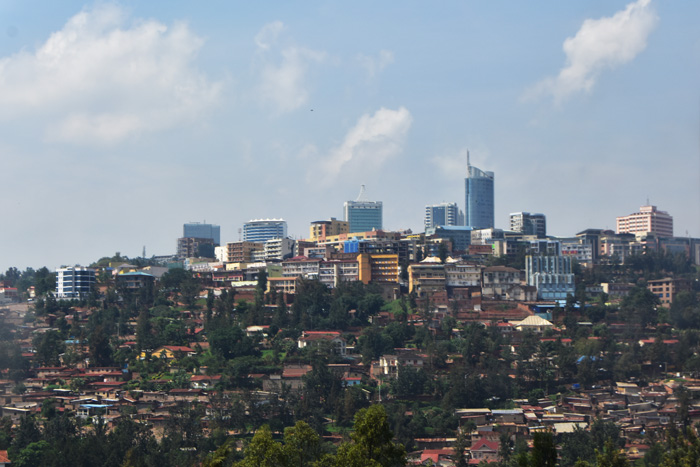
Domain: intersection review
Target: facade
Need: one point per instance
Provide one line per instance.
(426, 279)
(319, 230)
(443, 214)
(647, 220)
(479, 198)
(459, 236)
(378, 268)
(194, 247)
(460, 274)
(262, 230)
(363, 216)
(201, 230)
(529, 224)
(552, 275)
(74, 282)
(278, 249)
(666, 289)
(242, 252)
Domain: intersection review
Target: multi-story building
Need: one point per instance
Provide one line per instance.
(459, 236)
(363, 215)
(479, 198)
(529, 224)
(319, 230)
(552, 275)
(647, 220)
(74, 282)
(262, 230)
(581, 252)
(443, 214)
(378, 268)
(499, 281)
(619, 246)
(333, 272)
(202, 230)
(666, 289)
(461, 274)
(301, 267)
(425, 279)
(278, 249)
(242, 252)
(193, 247)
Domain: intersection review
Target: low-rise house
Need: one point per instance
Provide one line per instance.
(170, 352)
(336, 341)
(4, 459)
(484, 450)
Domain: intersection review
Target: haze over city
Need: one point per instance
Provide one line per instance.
(123, 120)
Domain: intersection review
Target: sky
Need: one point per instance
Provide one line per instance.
(121, 121)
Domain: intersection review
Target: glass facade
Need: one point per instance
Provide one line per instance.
(479, 206)
(262, 230)
(363, 216)
(197, 230)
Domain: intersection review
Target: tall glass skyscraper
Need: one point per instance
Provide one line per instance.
(479, 206)
(201, 230)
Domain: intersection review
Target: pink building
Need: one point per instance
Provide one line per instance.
(647, 220)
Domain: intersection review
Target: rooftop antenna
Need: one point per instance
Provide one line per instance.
(143, 254)
(361, 196)
(469, 165)
(240, 237)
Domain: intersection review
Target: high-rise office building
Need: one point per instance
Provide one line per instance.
(479, 206)
(202, 230)
(529, 224)
(647, 220)
(363, 215)
(74, 282)
(443, 214)
(262, 230)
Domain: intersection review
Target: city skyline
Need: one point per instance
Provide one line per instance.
(236, 112)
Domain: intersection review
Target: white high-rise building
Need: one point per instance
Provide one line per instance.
(262, 230)
(443, 214)
(74, 282)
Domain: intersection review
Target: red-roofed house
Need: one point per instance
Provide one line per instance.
(315, 337)
(4, 460)
(437, 456)
(485, 450)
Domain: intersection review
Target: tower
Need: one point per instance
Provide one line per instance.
(479, 199)
(363, 215)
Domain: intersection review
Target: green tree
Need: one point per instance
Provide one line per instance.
(99, 349)
(49, 346)
(263, 451)
(372, 442)
(544, 450)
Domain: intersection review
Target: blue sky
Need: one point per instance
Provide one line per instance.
(120, 121)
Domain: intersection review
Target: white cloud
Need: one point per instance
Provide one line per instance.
(283, 82)
(373, 140)
(374, 65)
(101, 80)
(600, 44)
(268, 34)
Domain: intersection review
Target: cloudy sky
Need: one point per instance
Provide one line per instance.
(121, 121)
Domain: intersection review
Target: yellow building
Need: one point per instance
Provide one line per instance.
(319, 230)
(381, 268)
